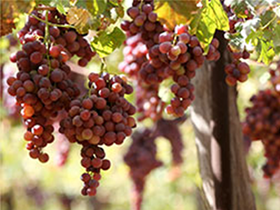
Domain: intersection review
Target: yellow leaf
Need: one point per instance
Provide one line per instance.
(80, 18)
(176, 12)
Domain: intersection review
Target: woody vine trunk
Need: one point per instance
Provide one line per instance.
(215, 118)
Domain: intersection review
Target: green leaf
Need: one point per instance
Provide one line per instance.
(276, 37)
(211, 18)
(99, 6)
(95, 7)
(115, 3)
(220, 16)
(253, 37)
(267, 34)
(267, 52)
(85, 4)
(105, 43)
(61, 8)
(267, 17)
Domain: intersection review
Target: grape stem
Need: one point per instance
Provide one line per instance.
(45, 8)
(103, 66)
(266, 25)
(52, 24)
(47, 43)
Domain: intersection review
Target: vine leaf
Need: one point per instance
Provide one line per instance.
(276, 39)
(176, 12)
(99, 6)
(61, 6)
(80, 18)
(105, 43)
(267, 51)
(210, 18)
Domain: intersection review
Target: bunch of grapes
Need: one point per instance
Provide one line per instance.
(141, 159)
(42, 86)
(237, 70)
(142, 33)
(171, 53)
(134, 52)
(144, 22)
(178, 54)
(149, 104)
(263, 123)
(103, 116)
(69, 42)
(141, 155)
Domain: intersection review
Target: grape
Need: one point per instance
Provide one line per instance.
(152, 17)
(43, 70)
(243, 68)
(133, 12)
(165, 47)
(184, 37)
(55, 51)
(83, 62)
(139, 20)
(70, 36)
(36, 57)
(197, 51)
(56, 75)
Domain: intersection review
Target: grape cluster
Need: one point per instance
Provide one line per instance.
(263, 123)
(134, 55)
(67, 41)
(144, 22)
(42, 86)
(178, 54)
(149, 104)
(169, 53)
(103, 116)
(237, 70)
(142, 33)
(141, 159)
(93, 161)
(141, 155)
